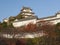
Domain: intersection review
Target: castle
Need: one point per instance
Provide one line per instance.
(27, 16)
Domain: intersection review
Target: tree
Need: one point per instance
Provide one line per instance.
(31, 27)
(11, 18)
(19, 16)
(1, 25)
(58, 26)
(57, 31)
(50, 31)
(4, 24)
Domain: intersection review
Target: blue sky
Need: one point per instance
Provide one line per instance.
(42, 8)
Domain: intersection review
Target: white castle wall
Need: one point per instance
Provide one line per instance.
(22, 23)
(58, 16)
(54, 19)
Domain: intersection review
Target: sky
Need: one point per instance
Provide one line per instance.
(41, 8)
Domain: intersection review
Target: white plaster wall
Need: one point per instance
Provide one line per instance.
(55, 21)
(27, 14)
(26, 10)
(5, 20)
(25, 35)
(22, 23)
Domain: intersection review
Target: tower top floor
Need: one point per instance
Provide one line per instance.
(26, 9)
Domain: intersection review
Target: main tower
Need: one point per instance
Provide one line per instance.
(26, 12)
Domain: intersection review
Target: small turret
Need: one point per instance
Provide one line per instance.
(58, 14)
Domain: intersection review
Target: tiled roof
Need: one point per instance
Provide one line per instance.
(27, 12)
(24, 19)
(25, 8)
(48, 17)
(51, 19)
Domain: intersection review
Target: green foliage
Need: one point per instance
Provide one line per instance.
(10, 25)
(39, 41)
(57, 28)
(57, 31)
(4, 24)
(29, 42)
(0, 22)
(58, 24)
(11, 19)
(19, 16)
